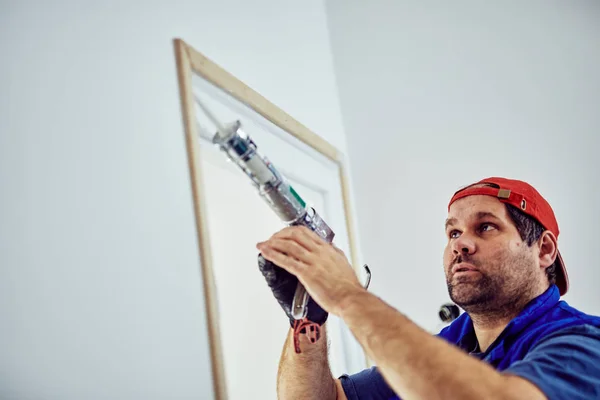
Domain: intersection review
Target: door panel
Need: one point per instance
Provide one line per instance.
(253, 326)
(247, 327)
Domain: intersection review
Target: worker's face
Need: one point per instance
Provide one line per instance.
(487, 264)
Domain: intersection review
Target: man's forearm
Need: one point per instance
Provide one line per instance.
(306, 375)
(417, 364)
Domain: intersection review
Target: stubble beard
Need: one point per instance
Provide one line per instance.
(500, 290)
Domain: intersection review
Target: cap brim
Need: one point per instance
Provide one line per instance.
(562, 279)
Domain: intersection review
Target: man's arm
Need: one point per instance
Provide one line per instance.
(307, 375)
(418, 365)
(413, 362)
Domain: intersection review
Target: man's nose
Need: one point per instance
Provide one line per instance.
(464, 245)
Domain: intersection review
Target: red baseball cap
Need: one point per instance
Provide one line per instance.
(527, 199)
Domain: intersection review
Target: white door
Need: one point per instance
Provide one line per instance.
(252, 325)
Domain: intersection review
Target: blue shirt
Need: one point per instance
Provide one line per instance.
(551, 344)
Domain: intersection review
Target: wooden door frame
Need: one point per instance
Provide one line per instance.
(189, 61)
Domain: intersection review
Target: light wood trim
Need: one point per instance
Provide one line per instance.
(349, 218)
(184, 72)
(350, 228)
(239, 90)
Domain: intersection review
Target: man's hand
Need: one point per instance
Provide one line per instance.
(321, 267)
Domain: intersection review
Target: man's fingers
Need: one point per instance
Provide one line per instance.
(285, 261)
(338, 250)
(316, 239)
(300, 234)
(288, 247)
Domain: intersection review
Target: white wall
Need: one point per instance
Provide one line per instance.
(100, 292)
(438, 94)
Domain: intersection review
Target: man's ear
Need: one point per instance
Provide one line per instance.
(548, 249)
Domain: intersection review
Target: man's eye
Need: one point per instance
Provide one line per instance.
(487, 227)
(453, 234)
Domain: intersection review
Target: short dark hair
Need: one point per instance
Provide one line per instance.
(530, 230)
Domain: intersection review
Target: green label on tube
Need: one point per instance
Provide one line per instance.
(297, 196)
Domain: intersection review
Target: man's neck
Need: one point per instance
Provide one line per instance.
(489, 325)
(488, 329)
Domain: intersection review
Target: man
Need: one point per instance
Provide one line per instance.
(516, 338)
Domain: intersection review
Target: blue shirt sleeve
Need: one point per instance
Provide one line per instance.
(367, 385)
(565, 364)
